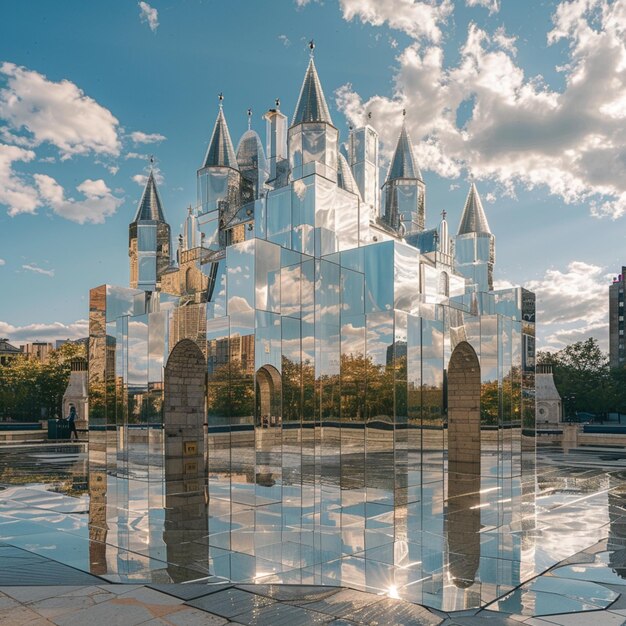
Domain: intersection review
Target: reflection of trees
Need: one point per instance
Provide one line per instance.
(509, 393)
(30, 388)
(230, 391)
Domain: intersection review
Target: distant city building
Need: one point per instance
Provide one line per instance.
(549, 405)
(61, 342)
(39, 350)
(617, 353)
(7, 351)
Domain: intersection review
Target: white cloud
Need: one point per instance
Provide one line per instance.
(492, 5)
(45, 332)
(518, 131)
(139, 137)
(136, 155)
(98, 202)
(142, 179)
(32, 267)
(572, 305)
(417, 19)
(285, 40)
(149, 15)
(56, 112)
(14, 192)
(3, 262)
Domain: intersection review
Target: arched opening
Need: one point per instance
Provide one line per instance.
(268, 403)
(185, 462)
(463, 518)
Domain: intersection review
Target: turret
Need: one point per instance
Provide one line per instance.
(404, 190)
(276, 146)
(252, 164)
(363, 159)
(148, 240)
(219, 183)
(475, 246)
(312, 138)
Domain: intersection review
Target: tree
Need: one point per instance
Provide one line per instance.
(582, 377)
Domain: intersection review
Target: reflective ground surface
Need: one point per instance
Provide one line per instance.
(573, 556)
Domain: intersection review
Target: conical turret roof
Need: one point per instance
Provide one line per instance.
(403, 164)
(220, 152)
(473, 219)
(311, 105)
(150, 207)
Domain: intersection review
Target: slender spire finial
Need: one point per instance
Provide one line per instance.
(220, 97)
(369, 116)
(403, 112)
(151, 159)
(443, 214)
(277, 103)
(249, 118)
(312, 48)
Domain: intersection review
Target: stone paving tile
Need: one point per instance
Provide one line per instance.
(397, 612)
(191, 590)
(188, 617)
(282, 615)
(230, 603)
(33, 594)
(341, 603)
(590, 618)
(17, 616)
(144, 595)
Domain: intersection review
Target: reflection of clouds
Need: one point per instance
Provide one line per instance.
(406, 278)
(137, 352)
(238, 304)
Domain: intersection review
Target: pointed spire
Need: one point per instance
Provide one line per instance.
(403, 164)
(150, 207)
(311, 105)
(345, 178)
(220, 152)
(473, 219)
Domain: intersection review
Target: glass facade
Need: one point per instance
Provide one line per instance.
(332, 407)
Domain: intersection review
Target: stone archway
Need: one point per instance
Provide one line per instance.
(185, 462)
(463, 514)
(269, 409)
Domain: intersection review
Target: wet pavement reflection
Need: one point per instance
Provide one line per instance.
(566, 552)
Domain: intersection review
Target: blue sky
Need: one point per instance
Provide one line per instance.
(528, 97)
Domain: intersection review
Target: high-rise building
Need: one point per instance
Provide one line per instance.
(617, 352)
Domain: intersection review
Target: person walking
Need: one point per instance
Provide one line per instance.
(71, 418)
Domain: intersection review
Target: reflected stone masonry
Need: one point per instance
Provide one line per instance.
(313, 388)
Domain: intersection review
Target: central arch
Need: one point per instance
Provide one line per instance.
(269, 409)
(463, 518)
(185, 462)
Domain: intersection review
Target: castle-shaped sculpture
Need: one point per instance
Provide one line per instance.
(314, 387)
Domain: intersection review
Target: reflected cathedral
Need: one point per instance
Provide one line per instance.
(312, 387)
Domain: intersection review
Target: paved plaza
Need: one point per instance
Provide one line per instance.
(575, 565)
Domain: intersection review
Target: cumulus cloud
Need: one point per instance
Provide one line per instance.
(142, 179)
(492, 5)
(415, 18)
(56, 112)
(15, 193)
(32, 267)
(149, 15)
(2, 262)
(285, 40)
(572, 304)
(98, 202)
(45, 332)
(139, 137)
(517, 130)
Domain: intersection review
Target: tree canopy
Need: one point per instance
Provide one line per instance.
(584, 379)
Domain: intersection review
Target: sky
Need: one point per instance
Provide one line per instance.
(528, 99)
